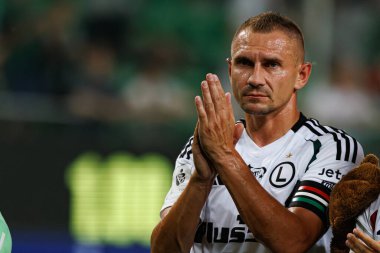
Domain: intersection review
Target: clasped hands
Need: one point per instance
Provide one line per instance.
(215, 133)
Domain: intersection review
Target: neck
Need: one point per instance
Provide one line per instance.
(265, 129)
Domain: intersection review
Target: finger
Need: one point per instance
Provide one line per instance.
(219, 85)
(195, 144)
(229, 106)
(196, 147)
(202, 115)
(238, 131)
(208, 104)
(366, 239)
(217, 93)
(195, 136)
(202, 170)
(355, 244)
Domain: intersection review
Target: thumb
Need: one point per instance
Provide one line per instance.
(238, 130)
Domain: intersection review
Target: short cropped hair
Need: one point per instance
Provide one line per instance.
(271, 21)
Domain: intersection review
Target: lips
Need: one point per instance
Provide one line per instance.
(255, 95)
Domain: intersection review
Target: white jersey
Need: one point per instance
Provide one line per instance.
(369, 220)
(299, 170)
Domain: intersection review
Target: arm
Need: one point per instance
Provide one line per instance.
(178, 225)
(177, 228)
(360, 242)
(280, 229)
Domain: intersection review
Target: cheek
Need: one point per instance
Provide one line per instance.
(236, 77)
(236, 83)
(286, 80)
(284, 84)
(280, 74)
(239, 77)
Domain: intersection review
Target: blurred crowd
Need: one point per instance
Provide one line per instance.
(123, 60)
(105, 60)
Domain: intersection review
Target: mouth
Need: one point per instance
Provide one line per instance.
(255, 95)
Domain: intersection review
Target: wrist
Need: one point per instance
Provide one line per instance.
(221, 158)
(226, 160)
(202, 181)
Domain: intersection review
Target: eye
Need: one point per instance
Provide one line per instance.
(243, 61)
(271, 64)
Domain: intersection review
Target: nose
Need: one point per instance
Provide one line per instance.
(256, 77)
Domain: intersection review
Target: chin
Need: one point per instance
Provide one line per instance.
(256, 110)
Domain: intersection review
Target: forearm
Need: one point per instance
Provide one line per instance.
(270, 222)
(176, 231)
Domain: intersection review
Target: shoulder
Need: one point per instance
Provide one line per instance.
(184, 163)
(186, 152)
(331, 139)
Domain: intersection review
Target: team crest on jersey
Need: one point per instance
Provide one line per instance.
(282, 174)
(180, 178)
(257, 172)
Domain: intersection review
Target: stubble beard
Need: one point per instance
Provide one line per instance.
(256, 110)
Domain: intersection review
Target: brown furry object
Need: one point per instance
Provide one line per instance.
(350, 197)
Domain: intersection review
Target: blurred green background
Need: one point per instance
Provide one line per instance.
(96, 102)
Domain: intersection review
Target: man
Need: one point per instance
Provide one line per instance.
(270, 191)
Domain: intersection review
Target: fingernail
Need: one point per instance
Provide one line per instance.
(215, 77)
(204, 84)
(228, 96)
(209, 77)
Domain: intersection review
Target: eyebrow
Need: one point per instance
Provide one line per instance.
(263, 59)
(241, 58)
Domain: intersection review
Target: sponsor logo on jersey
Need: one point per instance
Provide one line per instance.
(328, 184)
(282, 174)
(257, 172)
(214, 234)
(331, 173)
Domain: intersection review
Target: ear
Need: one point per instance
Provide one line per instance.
(303, 75)
(229, 62)
(371, 158)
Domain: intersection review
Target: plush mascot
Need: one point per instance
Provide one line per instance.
(350, 197)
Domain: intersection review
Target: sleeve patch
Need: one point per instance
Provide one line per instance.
(314, 197)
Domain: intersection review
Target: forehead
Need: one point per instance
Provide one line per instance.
(273, 43)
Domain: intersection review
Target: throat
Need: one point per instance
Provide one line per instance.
(263, 138)
(264, 130)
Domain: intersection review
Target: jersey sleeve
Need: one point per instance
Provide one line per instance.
(323, 171)
(184, 167)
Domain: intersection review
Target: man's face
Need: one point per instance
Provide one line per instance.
(264, 70)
